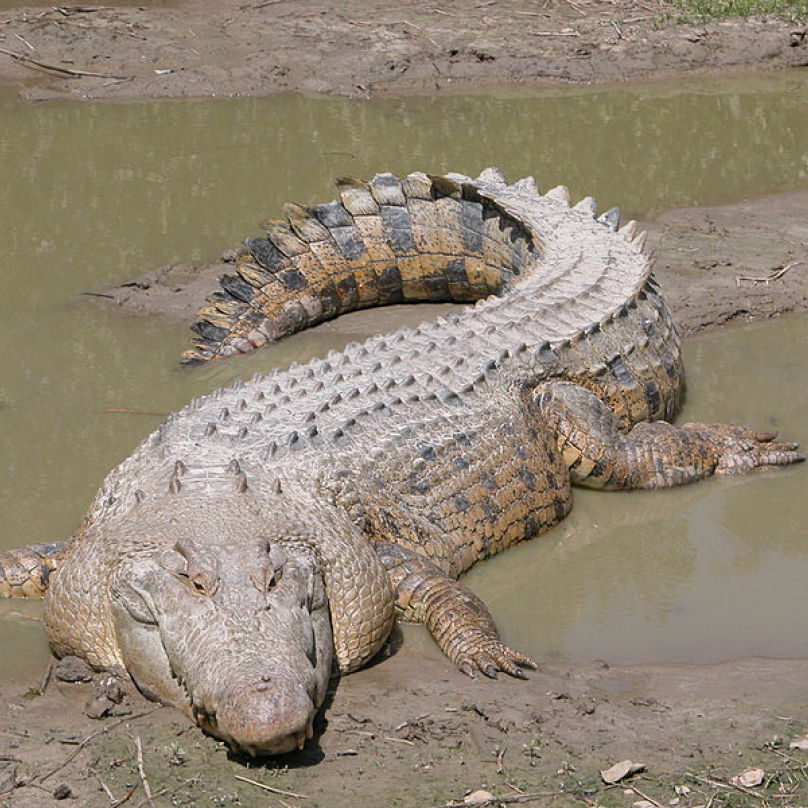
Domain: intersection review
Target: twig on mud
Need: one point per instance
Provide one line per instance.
(27, 60)
(66, 11)
(90, 738)
(259, 5)
(270, 788)
(24, 41)
(112, 798)
(512, 798)
(767, 279)
(739, 787)
(576, 7)
(126, 797)
(500, 756)
(46, 677)
(398, 740)
(645, 796)
(141, 770)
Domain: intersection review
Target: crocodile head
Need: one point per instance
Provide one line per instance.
(225, 616)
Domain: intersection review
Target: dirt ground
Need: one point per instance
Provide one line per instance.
(355, 48)
(410, 730)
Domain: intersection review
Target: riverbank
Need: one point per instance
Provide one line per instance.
(232, 48)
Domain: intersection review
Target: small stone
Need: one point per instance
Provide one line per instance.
(73, 669)
(98, 707)
(748, 778)
(621, 770)
(642, 804)
(62, 792)
(800, 742)
(479, 797)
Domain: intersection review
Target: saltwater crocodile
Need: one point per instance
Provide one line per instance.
(280, 524)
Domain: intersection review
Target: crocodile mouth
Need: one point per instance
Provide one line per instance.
(291, 742)
(260, 721)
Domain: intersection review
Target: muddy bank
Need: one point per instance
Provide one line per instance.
(743, 261)
(412, 731)
(229, 47)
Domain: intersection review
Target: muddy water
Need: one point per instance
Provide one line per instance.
(91, 194)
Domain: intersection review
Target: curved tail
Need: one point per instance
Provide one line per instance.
(25, 571)
(387, 241)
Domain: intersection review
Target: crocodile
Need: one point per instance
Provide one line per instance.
(273, 530)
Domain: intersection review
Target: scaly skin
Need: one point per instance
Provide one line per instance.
(370, 481)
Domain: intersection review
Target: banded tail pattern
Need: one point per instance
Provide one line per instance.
(389, 240)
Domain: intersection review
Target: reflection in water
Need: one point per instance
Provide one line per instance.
(91, 194)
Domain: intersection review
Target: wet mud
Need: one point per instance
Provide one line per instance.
(362, 49)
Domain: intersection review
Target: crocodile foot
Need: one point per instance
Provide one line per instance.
(742, 451)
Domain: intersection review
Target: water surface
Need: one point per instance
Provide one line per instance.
(97, 193)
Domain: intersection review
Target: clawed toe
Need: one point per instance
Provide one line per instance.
(492, 657)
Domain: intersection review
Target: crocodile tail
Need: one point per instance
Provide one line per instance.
(25, 571)
(386, 241)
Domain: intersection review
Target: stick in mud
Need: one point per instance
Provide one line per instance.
(27, 60)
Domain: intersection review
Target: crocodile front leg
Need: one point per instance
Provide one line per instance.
(458, 620)
(651, 455)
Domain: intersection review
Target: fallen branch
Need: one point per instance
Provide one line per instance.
(270, 788)
(88, 739)
(27, 60)
(142, 771)
(767, 279)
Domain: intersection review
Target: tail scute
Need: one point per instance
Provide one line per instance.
(390, 240)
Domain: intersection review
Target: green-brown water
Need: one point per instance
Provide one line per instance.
(91, 194)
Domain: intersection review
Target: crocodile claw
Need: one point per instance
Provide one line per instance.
(490, 656)
(742, 451)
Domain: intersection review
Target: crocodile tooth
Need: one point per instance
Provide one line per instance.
(560, 194)
(587, 205)
(639, 241)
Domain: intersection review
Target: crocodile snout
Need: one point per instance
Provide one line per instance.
(265, 717)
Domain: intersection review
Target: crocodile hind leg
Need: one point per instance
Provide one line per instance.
(25, 571)
(600, 454)
(458, 620)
